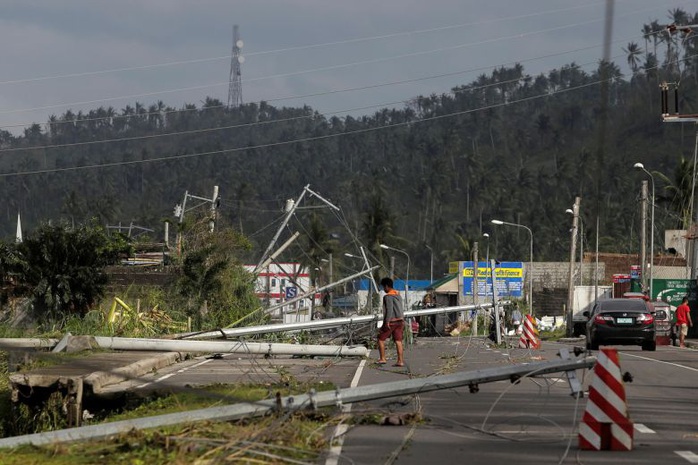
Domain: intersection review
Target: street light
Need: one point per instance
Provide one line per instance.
(640, 166)
(530, 266)
(407, 281)
(487, 256)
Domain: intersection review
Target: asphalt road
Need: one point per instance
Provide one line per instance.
(534, 421)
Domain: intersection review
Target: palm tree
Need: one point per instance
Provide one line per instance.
(633, 51)
(678, 193)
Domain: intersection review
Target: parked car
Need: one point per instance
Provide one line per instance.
(621, 321)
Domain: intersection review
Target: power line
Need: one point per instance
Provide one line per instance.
(301, 140)
(296, 48)
(320, 69)
(195, 131)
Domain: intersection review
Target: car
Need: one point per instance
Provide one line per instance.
(623, 322)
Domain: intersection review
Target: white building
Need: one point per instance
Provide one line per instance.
(280, 282)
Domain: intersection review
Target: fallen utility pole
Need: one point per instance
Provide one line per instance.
(305, 401)
(324, 324)
(225, 347)
(27, 343)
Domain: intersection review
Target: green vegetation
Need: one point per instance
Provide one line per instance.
(271, 439)
(506, 145)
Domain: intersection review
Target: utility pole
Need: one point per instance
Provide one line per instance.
(643, 235)
(476, 288)
(570, 280)
(235, 79)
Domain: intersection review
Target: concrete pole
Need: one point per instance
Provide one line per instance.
(313, 399)
(236, 347)
(495, 304)
(643, 234)
(570, 278)
(322, 324)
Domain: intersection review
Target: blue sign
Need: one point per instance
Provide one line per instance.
(509, 277)
(291, 292)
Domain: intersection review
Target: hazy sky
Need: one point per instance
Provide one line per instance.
(82, 54)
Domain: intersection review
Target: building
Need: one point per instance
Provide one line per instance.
(281, 282)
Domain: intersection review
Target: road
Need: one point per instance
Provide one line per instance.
(530, 422)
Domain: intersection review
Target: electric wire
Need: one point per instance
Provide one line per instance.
(341, 66)
(300, 140)
(316, 138)
(260, 123)
(301, 47)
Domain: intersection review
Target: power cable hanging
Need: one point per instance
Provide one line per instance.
(310, 139)
(295, 48)
(328, 68)
(295, 141)
(259, 123)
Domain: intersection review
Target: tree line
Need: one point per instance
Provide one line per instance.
(425, 177)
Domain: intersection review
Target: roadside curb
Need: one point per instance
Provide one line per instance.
(100, 379)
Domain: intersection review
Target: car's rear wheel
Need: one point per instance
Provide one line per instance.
(651, 346)
(593, 344)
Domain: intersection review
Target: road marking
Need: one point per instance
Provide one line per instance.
(181, 370)
(643, 429)
(341, 429)
(661, 361)
(688, 455)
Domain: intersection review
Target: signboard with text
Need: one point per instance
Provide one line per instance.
(509, 277)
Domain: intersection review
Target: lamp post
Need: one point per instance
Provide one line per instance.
(407, 281)
(530, 265)
(487, 256)
(640, 166)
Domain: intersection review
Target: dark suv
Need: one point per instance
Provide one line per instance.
(621, 321)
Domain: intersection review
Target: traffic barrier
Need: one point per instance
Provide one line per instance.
(606, 424)
(529, 337)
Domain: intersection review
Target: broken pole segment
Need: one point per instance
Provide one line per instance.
(324, 324)
(303, 401)
(229, 347)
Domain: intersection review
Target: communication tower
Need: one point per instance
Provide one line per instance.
(235, 82)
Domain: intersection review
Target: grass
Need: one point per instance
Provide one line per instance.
(271, 439)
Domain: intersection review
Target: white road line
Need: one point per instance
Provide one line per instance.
(340, 430)
(661, 361)
(182, 370)
(643, 429)
(688, 455)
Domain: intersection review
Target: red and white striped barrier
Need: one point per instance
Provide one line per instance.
(529, 337)
(606, 424)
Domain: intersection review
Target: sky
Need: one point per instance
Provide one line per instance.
(340, 58)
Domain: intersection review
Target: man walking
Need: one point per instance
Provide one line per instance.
(683, 321)
(393, 322)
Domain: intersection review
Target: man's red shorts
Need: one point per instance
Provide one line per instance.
(393, 328)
